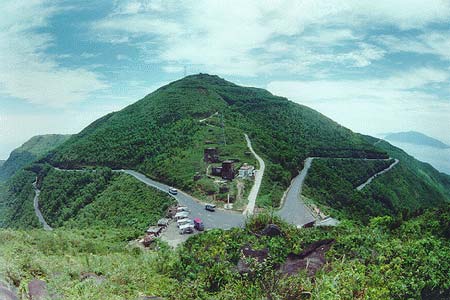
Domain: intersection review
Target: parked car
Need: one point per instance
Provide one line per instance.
(173, 191)
(181, 215)
(182, 208)
(187, 228)
(184, 221)
(198, 224)
(210, 207)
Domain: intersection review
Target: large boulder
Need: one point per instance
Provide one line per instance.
(37, 290)
(311, 259)
(7, 293)
(272, 230)
(249, 254)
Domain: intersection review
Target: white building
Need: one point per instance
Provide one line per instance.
(246, 171)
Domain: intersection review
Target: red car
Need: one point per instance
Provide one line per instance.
(198, 224)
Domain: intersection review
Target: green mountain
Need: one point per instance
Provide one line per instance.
(416, 138)
(163, 137)
(31, 150)
(1, 163)
(392, 243)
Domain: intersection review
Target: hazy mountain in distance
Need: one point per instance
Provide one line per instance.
(416, 138)
(31, 150)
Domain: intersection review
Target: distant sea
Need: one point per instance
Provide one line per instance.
(438, 158)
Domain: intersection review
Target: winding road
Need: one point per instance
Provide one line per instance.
(218, 219)
(249, 210)
(294, 210)
(360, 187)
(38, 212)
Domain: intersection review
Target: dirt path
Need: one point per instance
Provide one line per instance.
(249, 210)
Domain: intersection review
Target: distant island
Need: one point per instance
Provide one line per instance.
(416, 138)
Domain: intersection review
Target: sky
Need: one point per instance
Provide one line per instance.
(373, 66)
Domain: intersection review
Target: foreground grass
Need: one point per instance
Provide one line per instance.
(388, 259)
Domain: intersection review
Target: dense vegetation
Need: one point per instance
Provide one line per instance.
(100, 198)
(33, 149)
(331, 183)
(16, 201)
(125, 203)
(81, 199)
(388, 259)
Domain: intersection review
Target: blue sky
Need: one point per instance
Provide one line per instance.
(373, 66)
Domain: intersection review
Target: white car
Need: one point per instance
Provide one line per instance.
(187, 228)
(181, 215)
(173, 191)
(184, 221)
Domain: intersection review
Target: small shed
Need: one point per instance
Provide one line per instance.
(228, 170)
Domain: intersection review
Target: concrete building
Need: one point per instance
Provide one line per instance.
(246, 171)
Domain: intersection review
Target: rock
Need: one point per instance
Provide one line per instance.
(37, 290)
(272, 230)
(6, 293)
(248, 252)
(311, 259)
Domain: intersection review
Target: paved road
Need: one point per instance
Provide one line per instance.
(249, 210)
(37, 210)
(218, 219)
(360, 187)
(294, 210)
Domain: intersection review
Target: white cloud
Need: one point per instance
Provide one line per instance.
(398, 102)
(26, 72)
(122, 57)
(434, 42)
(255, 37)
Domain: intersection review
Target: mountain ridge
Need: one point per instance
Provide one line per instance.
(416, 138)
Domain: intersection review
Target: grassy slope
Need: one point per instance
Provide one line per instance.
(388, 259)
(34, 148)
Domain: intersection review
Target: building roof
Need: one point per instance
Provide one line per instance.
(247, 167)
